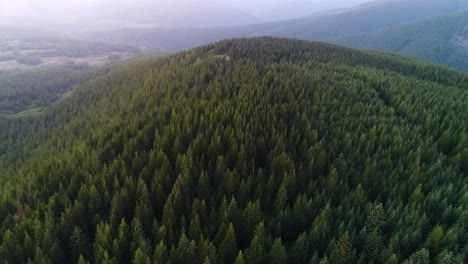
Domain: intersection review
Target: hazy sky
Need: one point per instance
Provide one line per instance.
(61, 12)
(31, 7)
(255, 5)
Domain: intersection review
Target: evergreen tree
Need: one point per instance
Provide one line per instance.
(80, 245)
(228, 247)
(419, 257)
(160, 253)
(300, 251)
(343, 251)
(278, 254)
(141, 257)
(239, 258)
(81, 260)
(434, 241)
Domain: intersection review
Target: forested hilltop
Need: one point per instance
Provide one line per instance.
(246, 151)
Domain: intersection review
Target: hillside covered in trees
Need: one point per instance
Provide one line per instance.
(35, 89)
(442, 39)
(246, 151)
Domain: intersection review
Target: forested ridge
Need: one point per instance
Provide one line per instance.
(439, 39)
(256, 150)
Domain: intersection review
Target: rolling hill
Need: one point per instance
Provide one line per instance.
(325, 26)
(367, 18)
(441, 40)
(249, 151)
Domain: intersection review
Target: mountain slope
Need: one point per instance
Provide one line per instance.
(290, 9)
(254, 150)
(322, 26)
(176, 39)
(35, 89)
(441, 40)
(367, 18)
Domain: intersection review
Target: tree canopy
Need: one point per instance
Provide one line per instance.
(287, 152)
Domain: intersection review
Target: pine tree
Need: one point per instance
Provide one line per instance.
(39, 257)
(207, 251)
(80, 245)
(195, 229)
(434, 241)
(373, 242)
(278, 254)
(140, 257)
(81, 260)
(139, 240)
(186, 250)
(255, 253)
(239, 258)
(420, 257)
(300, 251)
(343, 251)
(250, 218)
(121, 245)
(228, 247)
(160, 254)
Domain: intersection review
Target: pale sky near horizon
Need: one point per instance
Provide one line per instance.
(112, 14)
(33, 7)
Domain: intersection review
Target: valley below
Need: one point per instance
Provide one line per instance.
(24, 54)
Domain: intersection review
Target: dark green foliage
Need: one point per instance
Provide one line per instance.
(228, 247)
(80, 245)
(278, 254)
(240, 258)
(343, 251)
(38, 88)
(289, 151)
(141, 258)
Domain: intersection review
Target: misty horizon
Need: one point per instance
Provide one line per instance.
(84, 14)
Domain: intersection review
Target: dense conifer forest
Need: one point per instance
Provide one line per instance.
(245, 151)
(39, 88)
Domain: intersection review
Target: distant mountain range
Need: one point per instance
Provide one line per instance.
(429, 29)
(441, 39)
(366, 18)
(289, 9)
(325, 26)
